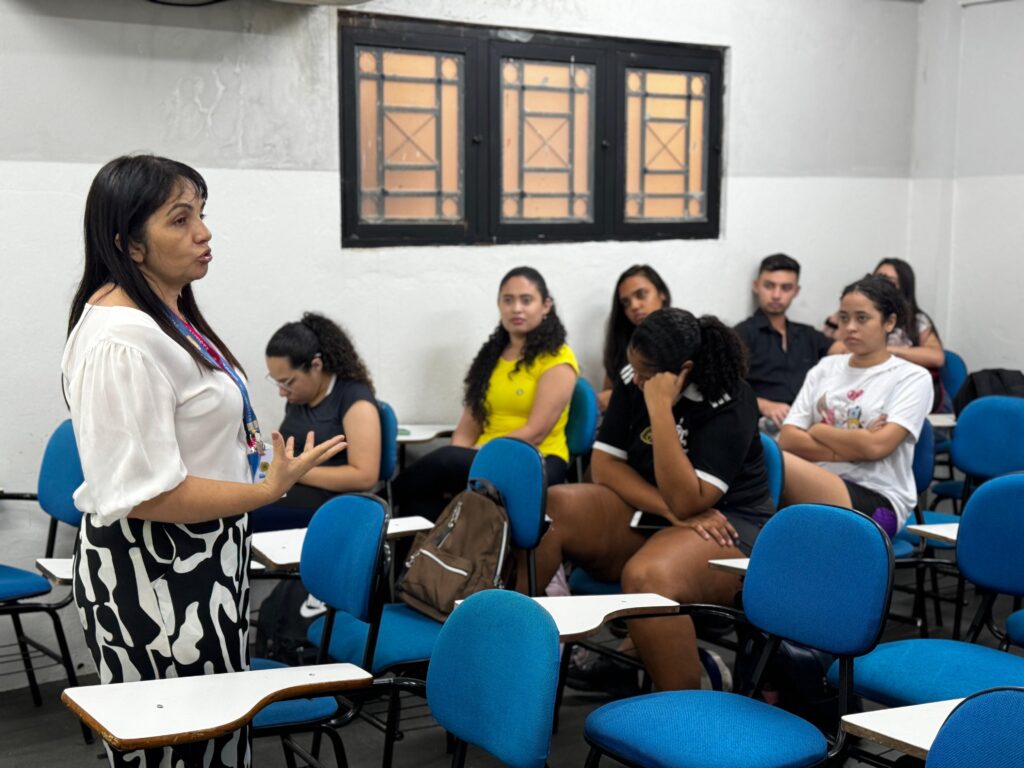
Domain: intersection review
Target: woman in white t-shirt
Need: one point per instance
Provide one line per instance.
(849, 437)
(169, 446)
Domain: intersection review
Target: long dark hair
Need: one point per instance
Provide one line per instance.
(124, 194)
(316, 335)
(884, 296)
(548, 337)
(908, 288)
(670, 337)
(619, 329)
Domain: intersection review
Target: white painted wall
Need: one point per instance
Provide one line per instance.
(821, 113)
(987, 269)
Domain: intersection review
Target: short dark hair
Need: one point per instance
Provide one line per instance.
(779, 262)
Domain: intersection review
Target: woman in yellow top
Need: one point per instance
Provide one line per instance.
(519, 385)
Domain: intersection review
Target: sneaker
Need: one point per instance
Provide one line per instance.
(601, 674)
(715, 674)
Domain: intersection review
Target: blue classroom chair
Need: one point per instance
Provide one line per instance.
(60, 474)
(492, 680)
(581, 427)
(341, 565)
(794, 590)
(988, 551)
(984, 730)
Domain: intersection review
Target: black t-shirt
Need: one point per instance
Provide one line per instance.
(777, 374)
(325, 417)
(720, 439)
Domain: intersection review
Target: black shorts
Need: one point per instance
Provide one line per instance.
(865, 500)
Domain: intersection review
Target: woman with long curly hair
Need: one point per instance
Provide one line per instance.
(639, 291)
(679, 442)
(518, 385)
(328, 390)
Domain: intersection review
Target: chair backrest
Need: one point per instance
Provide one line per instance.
(953, 374)
(924, 458)
(835, 601)
(773, 464)
(517, 470)
(493, 676)
(341, 552)
(984, 729)
(60, 475)
(388, 441)
(988, 440)
(988, 543)
(581, 427)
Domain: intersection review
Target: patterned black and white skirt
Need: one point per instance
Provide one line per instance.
(160, 600)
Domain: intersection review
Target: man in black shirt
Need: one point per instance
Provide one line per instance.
(781, 351)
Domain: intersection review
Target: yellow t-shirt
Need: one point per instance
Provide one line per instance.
(510, 398)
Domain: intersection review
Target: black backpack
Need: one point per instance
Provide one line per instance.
(281, 626)
(991, 381)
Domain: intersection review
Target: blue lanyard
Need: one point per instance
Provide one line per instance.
(253, 439)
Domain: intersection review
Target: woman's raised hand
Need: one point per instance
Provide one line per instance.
(287, 469)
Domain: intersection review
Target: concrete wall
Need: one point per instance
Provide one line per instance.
(824, 105)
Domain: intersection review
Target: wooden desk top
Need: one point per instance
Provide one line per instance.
(423, 433)
(282, 550)
(157, 713)
(579, 616)
(908, 729)
(944, 532)
(737, 565)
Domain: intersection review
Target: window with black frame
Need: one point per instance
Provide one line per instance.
(462, 134)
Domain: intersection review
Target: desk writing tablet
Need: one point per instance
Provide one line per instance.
(737, 565)
(423, 433)
(282, 550)
(579, 616)
(942, 420)
(160, 713)
(944, 532)
(909, 729)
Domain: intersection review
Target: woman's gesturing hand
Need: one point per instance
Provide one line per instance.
(286, 469)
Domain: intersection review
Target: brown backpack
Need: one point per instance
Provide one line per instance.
(468, 550)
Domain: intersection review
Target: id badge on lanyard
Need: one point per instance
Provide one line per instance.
(258, 452)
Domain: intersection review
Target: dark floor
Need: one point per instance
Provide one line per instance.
(50, 736)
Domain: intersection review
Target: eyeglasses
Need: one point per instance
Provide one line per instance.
(286, 385)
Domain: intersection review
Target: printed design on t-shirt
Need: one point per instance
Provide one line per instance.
(647, 439)
(843, 412)
(520, 392)
(626, 374)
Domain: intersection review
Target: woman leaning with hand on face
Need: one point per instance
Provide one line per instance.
(169, 446)
(679, 442)
(519, 385)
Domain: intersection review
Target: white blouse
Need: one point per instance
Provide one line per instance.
(145, 414)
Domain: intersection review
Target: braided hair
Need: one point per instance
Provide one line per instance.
(316, 335)
(619, 327)
(670, 337)
(883, 295)
(548, 337)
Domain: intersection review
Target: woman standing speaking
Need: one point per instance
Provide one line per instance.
(169, 446)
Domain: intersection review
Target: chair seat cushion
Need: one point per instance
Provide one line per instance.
(1015, 627)
(919, 671)
(17, 584)
(901, 547)
(295, 711)
(949, 489)
(704, 729)
(582, 583)
(405, 636)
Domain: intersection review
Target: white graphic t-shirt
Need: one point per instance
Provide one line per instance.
(854, 398)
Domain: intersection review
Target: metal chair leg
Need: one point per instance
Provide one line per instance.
(391, 728)
(593, 758)
(26, 659)
(459, 755)
(563, 671)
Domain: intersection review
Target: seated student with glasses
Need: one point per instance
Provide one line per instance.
(316, 368)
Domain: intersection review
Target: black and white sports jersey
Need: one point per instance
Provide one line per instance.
(720, 439)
